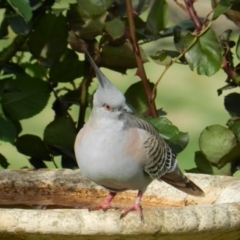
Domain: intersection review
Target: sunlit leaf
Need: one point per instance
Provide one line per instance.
(178, 142)
(22, 7)
(208, 47)
(115, 28)
(94, 7)
(220, 7)
(216, 141)
(165, 128)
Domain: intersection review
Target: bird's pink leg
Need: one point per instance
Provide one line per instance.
(135, 207)
(105, 205)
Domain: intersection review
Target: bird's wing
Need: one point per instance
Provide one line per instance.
(161, 162)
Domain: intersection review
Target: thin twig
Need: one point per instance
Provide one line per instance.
(178, 57)
(142, 74)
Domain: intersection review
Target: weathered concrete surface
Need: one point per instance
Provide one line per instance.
(168, 213)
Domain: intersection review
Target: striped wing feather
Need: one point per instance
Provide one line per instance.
(161, 163)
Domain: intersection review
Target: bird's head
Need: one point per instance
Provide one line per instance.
(108, 100)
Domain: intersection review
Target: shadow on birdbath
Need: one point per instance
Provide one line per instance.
(168, 213)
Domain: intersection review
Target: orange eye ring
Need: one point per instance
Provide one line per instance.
(106, 106)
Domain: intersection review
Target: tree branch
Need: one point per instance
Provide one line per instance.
(142, 74)
(193, 15)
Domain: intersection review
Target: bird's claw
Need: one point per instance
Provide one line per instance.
(134, 207)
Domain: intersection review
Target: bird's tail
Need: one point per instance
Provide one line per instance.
(178, 180)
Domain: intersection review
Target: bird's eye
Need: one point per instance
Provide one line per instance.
(109, 108)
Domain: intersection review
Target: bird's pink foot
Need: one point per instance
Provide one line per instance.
(105, 205)
(135, 207)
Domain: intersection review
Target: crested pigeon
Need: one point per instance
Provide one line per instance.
(121, 151)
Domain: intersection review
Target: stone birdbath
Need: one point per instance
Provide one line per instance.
(51, 204)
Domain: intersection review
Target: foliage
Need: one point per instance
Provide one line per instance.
(43, 49)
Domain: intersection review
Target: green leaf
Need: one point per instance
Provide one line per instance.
(60, 133)
(49, 39)
(3, 162)
(2, 86)
(231, 156)
(22, 7)
(7, 131)
(67, 69)
(204, 166)
(221, 7)
(19, 25)
(205, 54)
(136, 97)
(162, 58)
(115, 28)
(232, 104)
(68, 162)
(215, 141)
(178, 142)
(234, 126)
(34, 69)
(233, 13)
(94, 7)
(24, 97)
(119, 56)
(72, 97)
(4, 27)
(32, 146)
(158, 17)
(84, 26)
(37, 163)
(164, 127)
